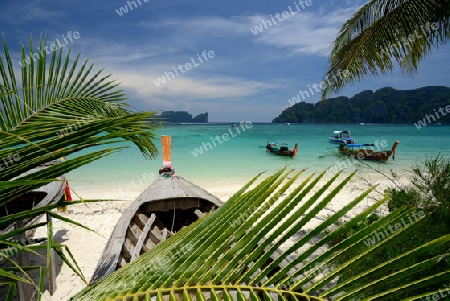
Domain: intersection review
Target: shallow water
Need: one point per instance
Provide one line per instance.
(239, 154)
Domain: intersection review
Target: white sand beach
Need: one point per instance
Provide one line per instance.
(87, 246)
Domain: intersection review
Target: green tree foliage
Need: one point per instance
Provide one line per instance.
(176, 116)
(201, 118)
(428, 195)
(384, 32)
(429, 191)
(183, 116)
(386, 105)
(429, 188)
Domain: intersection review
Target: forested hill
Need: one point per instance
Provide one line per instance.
(386, 105)
(183, 116)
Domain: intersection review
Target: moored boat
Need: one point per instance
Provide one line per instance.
(367, 152)
(342, 137)
(165, 207)
(281, 149)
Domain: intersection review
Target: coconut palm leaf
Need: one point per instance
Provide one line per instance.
(57, 107)
(251, 249)
(382, 32)
(61, 110)
(12, 288)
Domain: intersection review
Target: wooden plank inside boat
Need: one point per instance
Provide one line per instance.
(164, 208)
(147, 227)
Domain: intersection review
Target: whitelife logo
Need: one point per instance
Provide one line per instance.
(378, 236)
(124, 9)
(428, 119)
(207, 146)
(168, 75)
(265, 24)
(329, 81)
(49, 49)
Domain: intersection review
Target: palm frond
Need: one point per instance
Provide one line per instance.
(60, 112)
(57, 107)
(384, 31)
(250, 249)
(64, 101)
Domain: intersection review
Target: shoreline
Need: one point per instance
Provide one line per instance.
(224, 187)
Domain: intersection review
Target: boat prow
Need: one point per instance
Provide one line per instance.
(164, 208)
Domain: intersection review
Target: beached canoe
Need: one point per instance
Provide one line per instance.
(164, 208)
(42, 196)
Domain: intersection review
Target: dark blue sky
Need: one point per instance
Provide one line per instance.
(240, 76)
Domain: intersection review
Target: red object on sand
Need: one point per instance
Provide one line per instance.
(67, 193)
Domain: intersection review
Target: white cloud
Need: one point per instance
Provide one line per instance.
(136, 68)
(197, 95)
(305, 33)
(202, 26)
(185, 88)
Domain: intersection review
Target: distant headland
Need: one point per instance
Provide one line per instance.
(182, 117)
(386, 105)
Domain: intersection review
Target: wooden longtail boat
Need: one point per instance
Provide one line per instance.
(366, 151)
(45, 195)
(42, 196)
(164, 208)
(281, 149)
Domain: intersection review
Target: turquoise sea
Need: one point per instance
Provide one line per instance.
(239, 158)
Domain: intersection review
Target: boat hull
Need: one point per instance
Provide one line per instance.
(40, 197)
(342, 137)
(289, 153)
(163, 209)
(282, 152)
(366, 154)
(341, 141)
